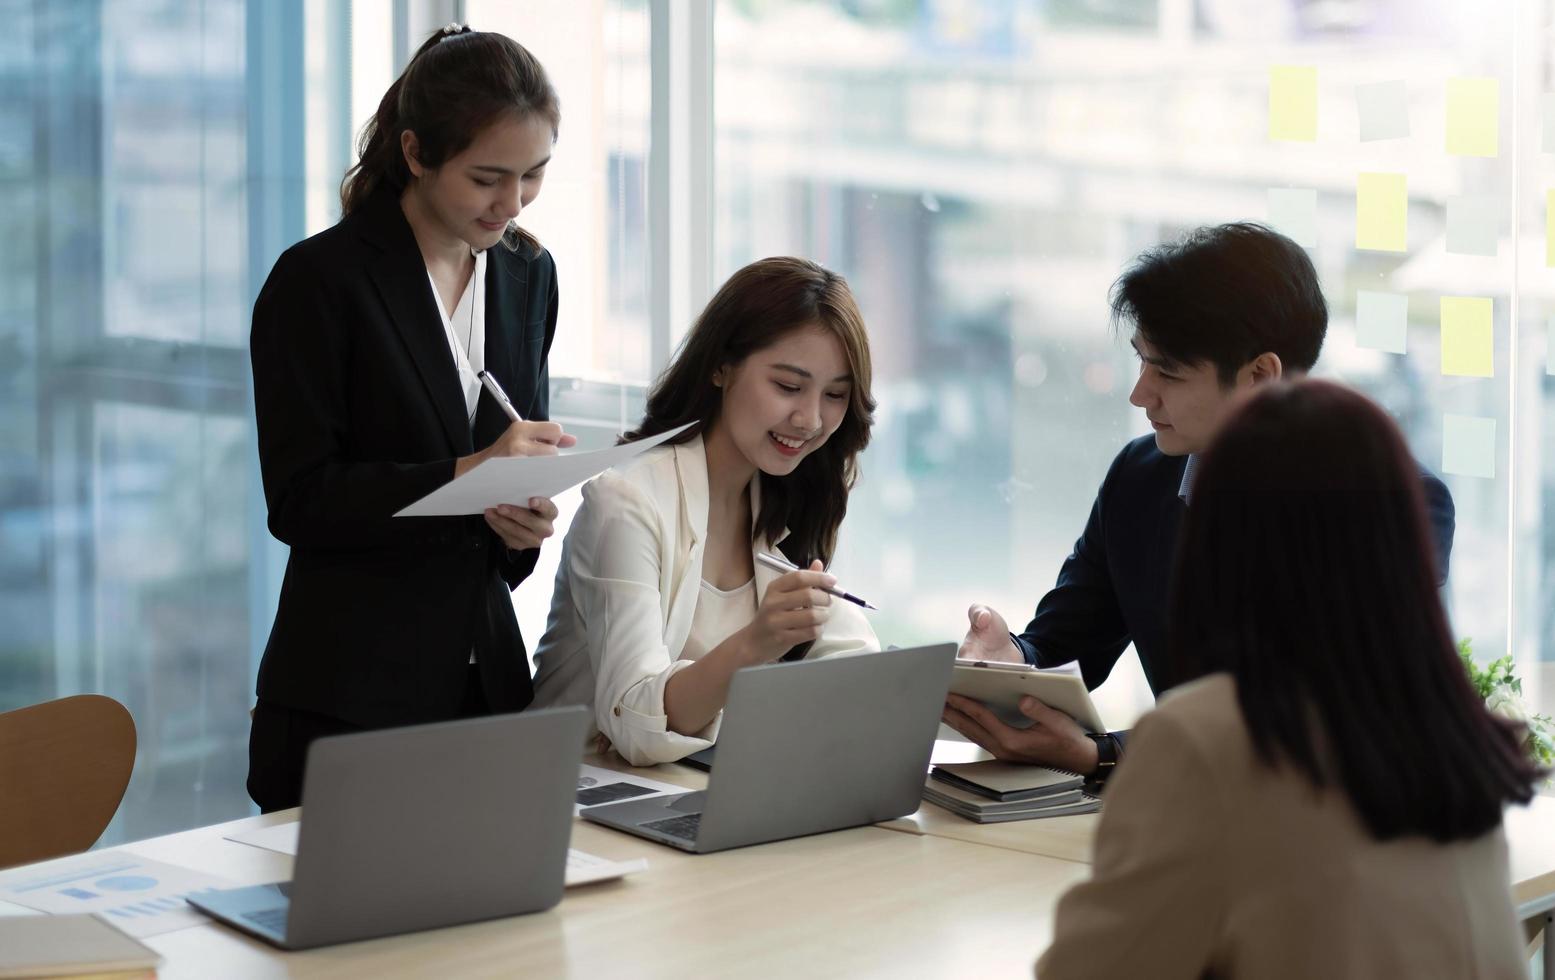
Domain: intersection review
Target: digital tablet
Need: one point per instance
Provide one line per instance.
(1001, 686)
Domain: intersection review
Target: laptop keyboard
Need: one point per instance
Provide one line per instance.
(683, 827)
(271, 920)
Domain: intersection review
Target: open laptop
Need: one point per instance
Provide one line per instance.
(421, 827)
(807, 747)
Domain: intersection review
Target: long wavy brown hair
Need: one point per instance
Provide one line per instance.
(455, 85)
(759, 305)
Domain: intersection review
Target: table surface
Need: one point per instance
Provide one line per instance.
(930, 894)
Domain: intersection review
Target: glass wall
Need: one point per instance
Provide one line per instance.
(155, 157)
(983, 171)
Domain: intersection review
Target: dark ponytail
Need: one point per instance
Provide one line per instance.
(458, 82)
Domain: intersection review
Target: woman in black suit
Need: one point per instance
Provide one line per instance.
(366, 346)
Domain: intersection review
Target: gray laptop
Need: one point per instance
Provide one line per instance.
(421, 827)
(807, 747)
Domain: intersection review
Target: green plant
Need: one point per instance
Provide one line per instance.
(1502, 691)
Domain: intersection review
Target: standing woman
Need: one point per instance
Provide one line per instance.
(659, 599)
(367, 342)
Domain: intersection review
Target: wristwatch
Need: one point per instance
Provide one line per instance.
(1106, 754)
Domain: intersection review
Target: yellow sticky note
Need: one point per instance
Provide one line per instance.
(1468, 338)
(1549, 228)
(1473, 117)
(1381, 212)
(1293, 103)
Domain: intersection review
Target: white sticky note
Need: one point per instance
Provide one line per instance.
(1472, 228)
(1548, 144)
(1293, 213)
(1381, 320)
(1469, 446)
(1383, 108)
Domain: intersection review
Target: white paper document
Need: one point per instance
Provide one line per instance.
(582, 868)
(515, 479)
(140, 896)
(596, 786)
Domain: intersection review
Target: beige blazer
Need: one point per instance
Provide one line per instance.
(1209, 864)
(626, 591)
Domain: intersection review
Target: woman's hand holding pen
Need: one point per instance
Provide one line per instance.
(520, 439)
(794, 610)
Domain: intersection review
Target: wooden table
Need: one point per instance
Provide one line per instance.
(928, 895)
(861, 902)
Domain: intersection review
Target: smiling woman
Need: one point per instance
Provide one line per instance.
(368, 344)
(659, 599)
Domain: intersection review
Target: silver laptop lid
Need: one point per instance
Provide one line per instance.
(434, 825)
(818, 745)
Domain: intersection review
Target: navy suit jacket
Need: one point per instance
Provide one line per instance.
(359, 413)
(1114, 587)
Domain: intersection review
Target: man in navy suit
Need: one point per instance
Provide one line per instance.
(1214, 316)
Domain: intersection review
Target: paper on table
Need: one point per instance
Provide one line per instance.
(582, 868)
(139, 896)
(515, 479)
(1473, 116)
(1381, 320)
(596, 786)
(1469, 446)
(1381, 212)
(1468, 336)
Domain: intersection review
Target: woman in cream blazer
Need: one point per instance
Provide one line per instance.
(1322, 796)
(776, 373)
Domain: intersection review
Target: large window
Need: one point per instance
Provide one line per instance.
(980, 171)
(983, 171)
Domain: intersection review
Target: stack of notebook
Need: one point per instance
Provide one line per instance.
(993, 792)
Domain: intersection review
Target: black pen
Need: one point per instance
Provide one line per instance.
(783, 565)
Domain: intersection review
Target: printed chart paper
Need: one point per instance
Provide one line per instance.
(139, 896)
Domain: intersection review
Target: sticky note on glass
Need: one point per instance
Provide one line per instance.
(1381, 212)
(1548, 143)
(1469, 446)
(1468, 338)
(1383, 110)
(1473, 116)
(1549, 227)
(1381, 320)
(1471, 225)
(1293, 103)
(1293, 213)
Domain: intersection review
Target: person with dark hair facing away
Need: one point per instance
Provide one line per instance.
(1215, 316)
(367, 345)
(1321, 796)
(659, 598)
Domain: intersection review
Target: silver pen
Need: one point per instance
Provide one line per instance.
(500, 395)
(783, 565)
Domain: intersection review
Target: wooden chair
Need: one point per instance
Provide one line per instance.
(64, 766)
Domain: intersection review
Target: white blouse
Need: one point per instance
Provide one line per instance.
(466, 332)
(629, 595)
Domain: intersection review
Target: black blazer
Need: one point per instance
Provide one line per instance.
(1114, 587)
(359, 412)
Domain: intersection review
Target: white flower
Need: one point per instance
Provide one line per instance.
(1507, 703)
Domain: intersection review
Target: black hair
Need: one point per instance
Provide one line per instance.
(458, 82)
(1306, 571)
(1224, 295)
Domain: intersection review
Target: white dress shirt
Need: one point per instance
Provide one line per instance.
(627, 593)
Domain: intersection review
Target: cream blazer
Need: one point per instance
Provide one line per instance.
(626, 590)
(1209, 864)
